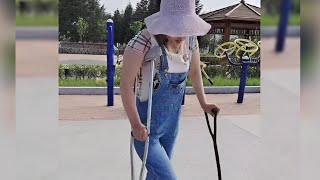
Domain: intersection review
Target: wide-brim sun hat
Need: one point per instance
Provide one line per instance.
(177, 18)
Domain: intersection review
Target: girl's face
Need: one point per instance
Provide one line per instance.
(176, 40)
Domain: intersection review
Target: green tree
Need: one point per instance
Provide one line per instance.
(69, 12)
(94, 18)
(141, 11)
(102, 30)
(127, 20)
(296, 6)
(82, 28)
(136, 26)
(117, 20)
(199, 7)
(103, 26)
(90, 10)
(154, 6)
(40, 7)
(271, 7)
(203, 41)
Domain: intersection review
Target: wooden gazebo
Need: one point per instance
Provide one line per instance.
(238, 19)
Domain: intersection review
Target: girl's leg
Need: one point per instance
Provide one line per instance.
(158, 163)
(168, 142)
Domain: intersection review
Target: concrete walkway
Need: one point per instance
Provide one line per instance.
(98, 150)
(94, 107)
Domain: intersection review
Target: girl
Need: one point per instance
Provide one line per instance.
(175, 29)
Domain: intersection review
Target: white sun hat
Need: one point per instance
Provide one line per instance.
(177, 18)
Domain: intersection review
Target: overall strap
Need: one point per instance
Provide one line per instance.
(190, 47)
(190, 52)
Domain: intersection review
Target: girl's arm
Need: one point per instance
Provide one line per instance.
(132, 61)
(196, 78)
(197, 83)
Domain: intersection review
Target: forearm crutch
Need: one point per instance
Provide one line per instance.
(150, 57)
(214, 140)
(214, 133)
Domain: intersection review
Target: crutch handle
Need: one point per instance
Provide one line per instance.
(215, 111)
(148, 134)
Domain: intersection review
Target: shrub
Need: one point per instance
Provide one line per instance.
(100, 71)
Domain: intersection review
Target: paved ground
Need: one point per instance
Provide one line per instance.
(36, 58)
(39, 33)
(82, 59)
(104, 147)
(94, 107)
(289, 59)
(279, 154)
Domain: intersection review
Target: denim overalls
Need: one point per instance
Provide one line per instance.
(166, 109)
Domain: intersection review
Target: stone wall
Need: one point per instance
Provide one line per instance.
(82, 48)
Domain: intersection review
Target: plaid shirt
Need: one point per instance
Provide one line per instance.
(142, 42)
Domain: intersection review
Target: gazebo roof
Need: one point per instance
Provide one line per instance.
(241, 11)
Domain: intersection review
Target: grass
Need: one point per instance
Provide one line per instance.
(270, 20)
(85, 83)
(37, 20)
(221, 81)
(217, 81)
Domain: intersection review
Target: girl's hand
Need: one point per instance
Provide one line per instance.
(211, 109)
(140, 132)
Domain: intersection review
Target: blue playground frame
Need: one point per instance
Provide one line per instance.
(283, 24)
(110, 63)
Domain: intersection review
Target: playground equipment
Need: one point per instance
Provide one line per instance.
(244, 50)
(239, 47)
(283, 24)
(110, 62)
(203, 66)
(245, 45)
(227, 47)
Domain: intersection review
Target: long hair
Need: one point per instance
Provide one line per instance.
(161, 38)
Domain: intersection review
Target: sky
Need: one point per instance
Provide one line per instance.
(208, 5)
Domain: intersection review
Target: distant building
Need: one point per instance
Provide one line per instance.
(238, 19)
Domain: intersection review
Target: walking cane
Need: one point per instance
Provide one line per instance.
(214, 133)
(214, 139)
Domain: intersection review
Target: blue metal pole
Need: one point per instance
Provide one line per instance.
(110, 62)
(283, 24)
(243, 79)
